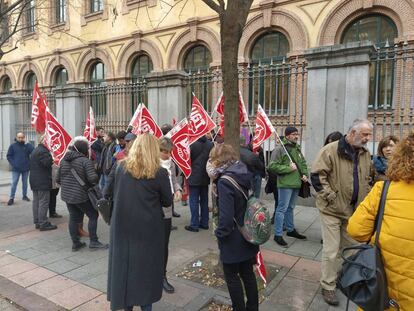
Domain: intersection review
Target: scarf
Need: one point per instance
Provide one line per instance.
(167, 165)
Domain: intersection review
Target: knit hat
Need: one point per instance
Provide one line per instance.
(290, 129)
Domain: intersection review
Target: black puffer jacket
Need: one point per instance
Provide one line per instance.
(200, 151)
(72, 192)
(41, 169)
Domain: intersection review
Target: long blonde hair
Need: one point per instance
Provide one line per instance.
(143, 159)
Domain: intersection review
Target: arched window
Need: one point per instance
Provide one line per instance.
(197, 62)
(141, 66)
(61, 77)
(197, 58)
(98, 92)
(30, 82)
(268, 75)
(381, 31)
(6, 85)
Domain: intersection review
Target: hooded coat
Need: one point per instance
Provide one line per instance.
(232, 204)
(71, 191)
(136, 249)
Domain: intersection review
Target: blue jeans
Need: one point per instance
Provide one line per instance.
(15, 181)
(102, 181)
(257, 185)
(284, 211)
(199, 205)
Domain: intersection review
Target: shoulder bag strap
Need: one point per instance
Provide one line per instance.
(76, 175)
(293, 160)
(235, 184)
(381, 209)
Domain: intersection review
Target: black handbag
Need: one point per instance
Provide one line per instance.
(362, 278)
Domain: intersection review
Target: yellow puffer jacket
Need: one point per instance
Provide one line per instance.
(396, 237)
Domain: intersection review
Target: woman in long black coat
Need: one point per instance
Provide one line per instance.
(136, 254)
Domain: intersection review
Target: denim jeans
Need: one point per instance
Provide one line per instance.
(76, 212)
(257, 185)
(284, 211)
(102, 181)
(15, 181)
(235, 274)
(199, 205)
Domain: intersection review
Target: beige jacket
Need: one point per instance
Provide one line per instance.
(332, 178)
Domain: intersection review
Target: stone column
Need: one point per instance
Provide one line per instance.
(337, 91)
(167, 95)
(69, 108)
(8, 120)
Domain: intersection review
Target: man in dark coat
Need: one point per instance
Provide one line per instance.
(41, 183)
(18, 157)
(254, 165)
(198, 184)
(136, 251)
(107, 160)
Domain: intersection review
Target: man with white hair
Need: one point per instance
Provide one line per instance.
(340, 175)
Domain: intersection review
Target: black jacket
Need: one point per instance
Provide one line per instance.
(71, 191)
(41, 169)
(97, 148)
(107, 160)
(252, 161)
(232, 204)
(136, 248)
(200, 151)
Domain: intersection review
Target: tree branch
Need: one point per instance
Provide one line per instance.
(214, 6)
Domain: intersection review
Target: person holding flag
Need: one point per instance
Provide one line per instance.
(290, 166)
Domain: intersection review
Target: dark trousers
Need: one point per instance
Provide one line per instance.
(40, 205)
(167, 225)
(199, 206)
(76, 212)
(236, 273)
(52, 201)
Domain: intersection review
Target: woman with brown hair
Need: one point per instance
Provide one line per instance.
(237, 255)
(396, 239)
(386, 148)
(136, 252)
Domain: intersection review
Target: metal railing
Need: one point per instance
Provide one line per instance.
(391, 104)
(114, 105)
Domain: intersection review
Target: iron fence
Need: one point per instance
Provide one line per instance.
(391, 96)
(24, 114)
(114, 105)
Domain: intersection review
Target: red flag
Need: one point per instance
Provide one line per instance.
(57, 139)
(143, 122)
(90, 130)
(260, 267)
(263, 128)
(181, 150)
(242, 108)
(200, 121)
(39, 104)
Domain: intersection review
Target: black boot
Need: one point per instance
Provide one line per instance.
(167, 286)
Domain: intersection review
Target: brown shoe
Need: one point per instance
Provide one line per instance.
(330, 297)
(82, 232)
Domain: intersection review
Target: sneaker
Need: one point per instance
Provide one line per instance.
(330, 297)
(25, 198)
(78, 246)
(55, 215)
(97, 245)
(167, 286)
(279, 240)
(47, 227)
(296, 235)
(175, 214)
(204, 227)
(10, 202)
(189, 228)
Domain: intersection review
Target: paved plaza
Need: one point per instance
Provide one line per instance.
(38, 270)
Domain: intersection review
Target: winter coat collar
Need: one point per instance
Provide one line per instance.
(380, 164)
(346, 151)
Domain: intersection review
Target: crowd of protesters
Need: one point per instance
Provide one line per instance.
(139, 177)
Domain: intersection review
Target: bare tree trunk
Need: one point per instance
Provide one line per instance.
(232, 22)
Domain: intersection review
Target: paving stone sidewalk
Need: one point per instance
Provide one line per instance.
(41, 265)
